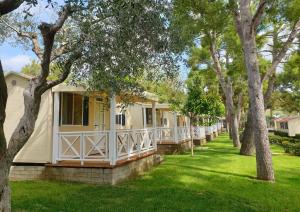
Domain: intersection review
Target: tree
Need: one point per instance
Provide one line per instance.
(203, 105)
(111, 43)
(246, 26)
(32, 99)
(133, 43)
(281, 25)
(202, 101)
(288, 85)
(210, 37)
(170, 91)
(32, 69)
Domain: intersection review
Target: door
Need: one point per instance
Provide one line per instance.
(99, 114)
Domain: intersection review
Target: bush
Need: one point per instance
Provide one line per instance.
(290, 145)
(297, 149)
(284, 134)
(276, 139)
(297, 136)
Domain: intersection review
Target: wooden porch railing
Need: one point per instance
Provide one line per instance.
(94, 145)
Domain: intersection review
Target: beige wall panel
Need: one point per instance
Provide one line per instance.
(38, 149)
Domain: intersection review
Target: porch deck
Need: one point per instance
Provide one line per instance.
(97, 149)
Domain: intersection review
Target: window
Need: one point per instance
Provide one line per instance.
(148, 115)
(74, 109)
(120, 119)
(284, 125)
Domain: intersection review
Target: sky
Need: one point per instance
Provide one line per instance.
(14, 57)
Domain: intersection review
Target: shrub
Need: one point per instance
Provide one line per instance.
(297, 136)
(297, 149)
(284, 134)
(290, 145)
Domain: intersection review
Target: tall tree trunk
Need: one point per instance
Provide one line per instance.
(263, 154)
(235, 130)
(4, 168)
(247, 140)
(234, 127)
(5, 205)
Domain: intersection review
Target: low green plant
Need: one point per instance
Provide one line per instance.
(290, 145)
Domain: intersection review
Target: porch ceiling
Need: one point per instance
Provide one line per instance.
(146, 98)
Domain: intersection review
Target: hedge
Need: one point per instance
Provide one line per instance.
(290, 145)
(283, 134)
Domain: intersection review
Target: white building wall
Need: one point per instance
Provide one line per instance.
(38, 149)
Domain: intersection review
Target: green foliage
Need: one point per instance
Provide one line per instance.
(32, 69)
(124, 41)
(170, 91)
(288, 85)
(202, 100)
(290, 144)
(217, 178)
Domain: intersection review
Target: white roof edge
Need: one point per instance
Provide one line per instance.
(151, 96)
(70, 88)
(6, 74)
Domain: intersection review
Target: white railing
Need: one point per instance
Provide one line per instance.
(183, 133)
(199, 132)
(164, 134)
(134, 142)
(219, 125)
(83, 146)
(215, 128)
(208, 130)
(95, 145)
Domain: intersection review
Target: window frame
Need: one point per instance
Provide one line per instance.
(61, 110)
(119, 116)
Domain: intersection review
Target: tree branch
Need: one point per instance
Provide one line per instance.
(48, 32)
(237, 19)
(56, 53)
(7, 6)
(282, 52)
(256, 20)
(217, 65)
(32, 36)
(66, 70)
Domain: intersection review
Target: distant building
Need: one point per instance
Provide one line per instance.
(289, 125)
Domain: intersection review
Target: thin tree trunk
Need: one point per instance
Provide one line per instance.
(192, 136)
(235, 130)
(247, 140)
(234, 127)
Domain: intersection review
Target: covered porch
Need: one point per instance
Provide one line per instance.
(93, 129)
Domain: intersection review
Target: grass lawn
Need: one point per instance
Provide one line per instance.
(215, 179)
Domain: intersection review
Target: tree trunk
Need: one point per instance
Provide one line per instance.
(233, 123)
(235, 130)
(264, 164)
(248, 147)
(4, 168)
(5, 205)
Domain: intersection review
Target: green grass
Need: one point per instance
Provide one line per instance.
(215, 179)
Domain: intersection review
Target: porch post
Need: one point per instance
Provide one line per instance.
(112, 132)
(154, 120)
(175, 127)
(154, 114)
(55, 128)
(144, 115)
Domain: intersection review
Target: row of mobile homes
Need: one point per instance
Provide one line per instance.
(89, 136)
